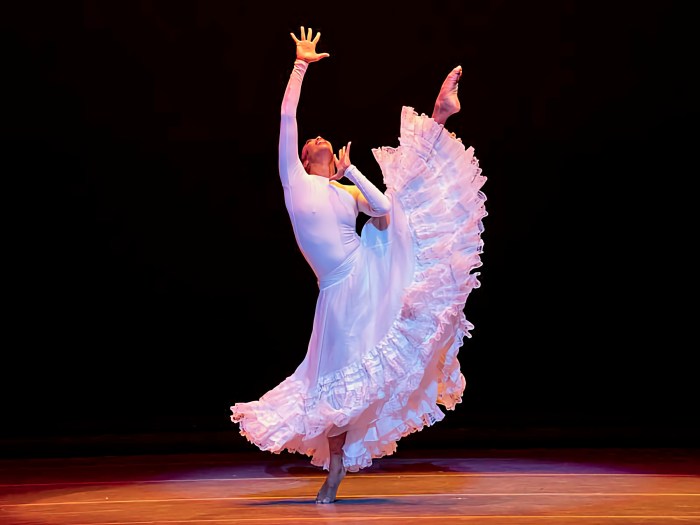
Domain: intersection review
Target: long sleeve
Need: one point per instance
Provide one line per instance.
(378, 203)
(289, 139)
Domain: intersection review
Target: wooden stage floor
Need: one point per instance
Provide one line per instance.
(488, 486)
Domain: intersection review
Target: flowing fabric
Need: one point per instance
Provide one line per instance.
(389, 320)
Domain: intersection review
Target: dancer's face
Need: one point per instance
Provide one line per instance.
(318, 151)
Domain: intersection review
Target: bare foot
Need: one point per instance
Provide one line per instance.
(329, 489)
(447, 102)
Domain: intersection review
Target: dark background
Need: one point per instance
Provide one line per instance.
(152, 278)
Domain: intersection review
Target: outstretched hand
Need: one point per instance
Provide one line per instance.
(306, 46)
(342, 162)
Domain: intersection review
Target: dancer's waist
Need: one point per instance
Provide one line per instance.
(340, 272)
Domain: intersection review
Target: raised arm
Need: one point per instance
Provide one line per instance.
(289, 137)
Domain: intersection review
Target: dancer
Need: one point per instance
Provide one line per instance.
(389, 318)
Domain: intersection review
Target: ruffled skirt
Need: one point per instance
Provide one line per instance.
(399, 303)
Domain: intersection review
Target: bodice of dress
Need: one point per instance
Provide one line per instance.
(323, 217)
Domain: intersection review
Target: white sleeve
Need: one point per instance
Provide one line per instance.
(289, 161)
(379, 204)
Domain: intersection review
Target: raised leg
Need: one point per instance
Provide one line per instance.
(336, 471)
(447, 102)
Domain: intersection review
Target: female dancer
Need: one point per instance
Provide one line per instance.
(389, 317)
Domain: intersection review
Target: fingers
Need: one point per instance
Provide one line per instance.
(307, 35)
(344, 151)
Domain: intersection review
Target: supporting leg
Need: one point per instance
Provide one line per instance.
(336, 470)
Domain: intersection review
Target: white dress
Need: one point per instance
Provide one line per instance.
(389, 319)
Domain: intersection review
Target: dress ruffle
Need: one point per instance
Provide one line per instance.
(397, 385)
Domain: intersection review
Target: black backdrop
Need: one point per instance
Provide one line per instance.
(152, 277)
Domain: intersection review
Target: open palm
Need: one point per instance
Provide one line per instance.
(306, 46)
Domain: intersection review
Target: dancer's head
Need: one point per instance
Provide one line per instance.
(318, 151)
